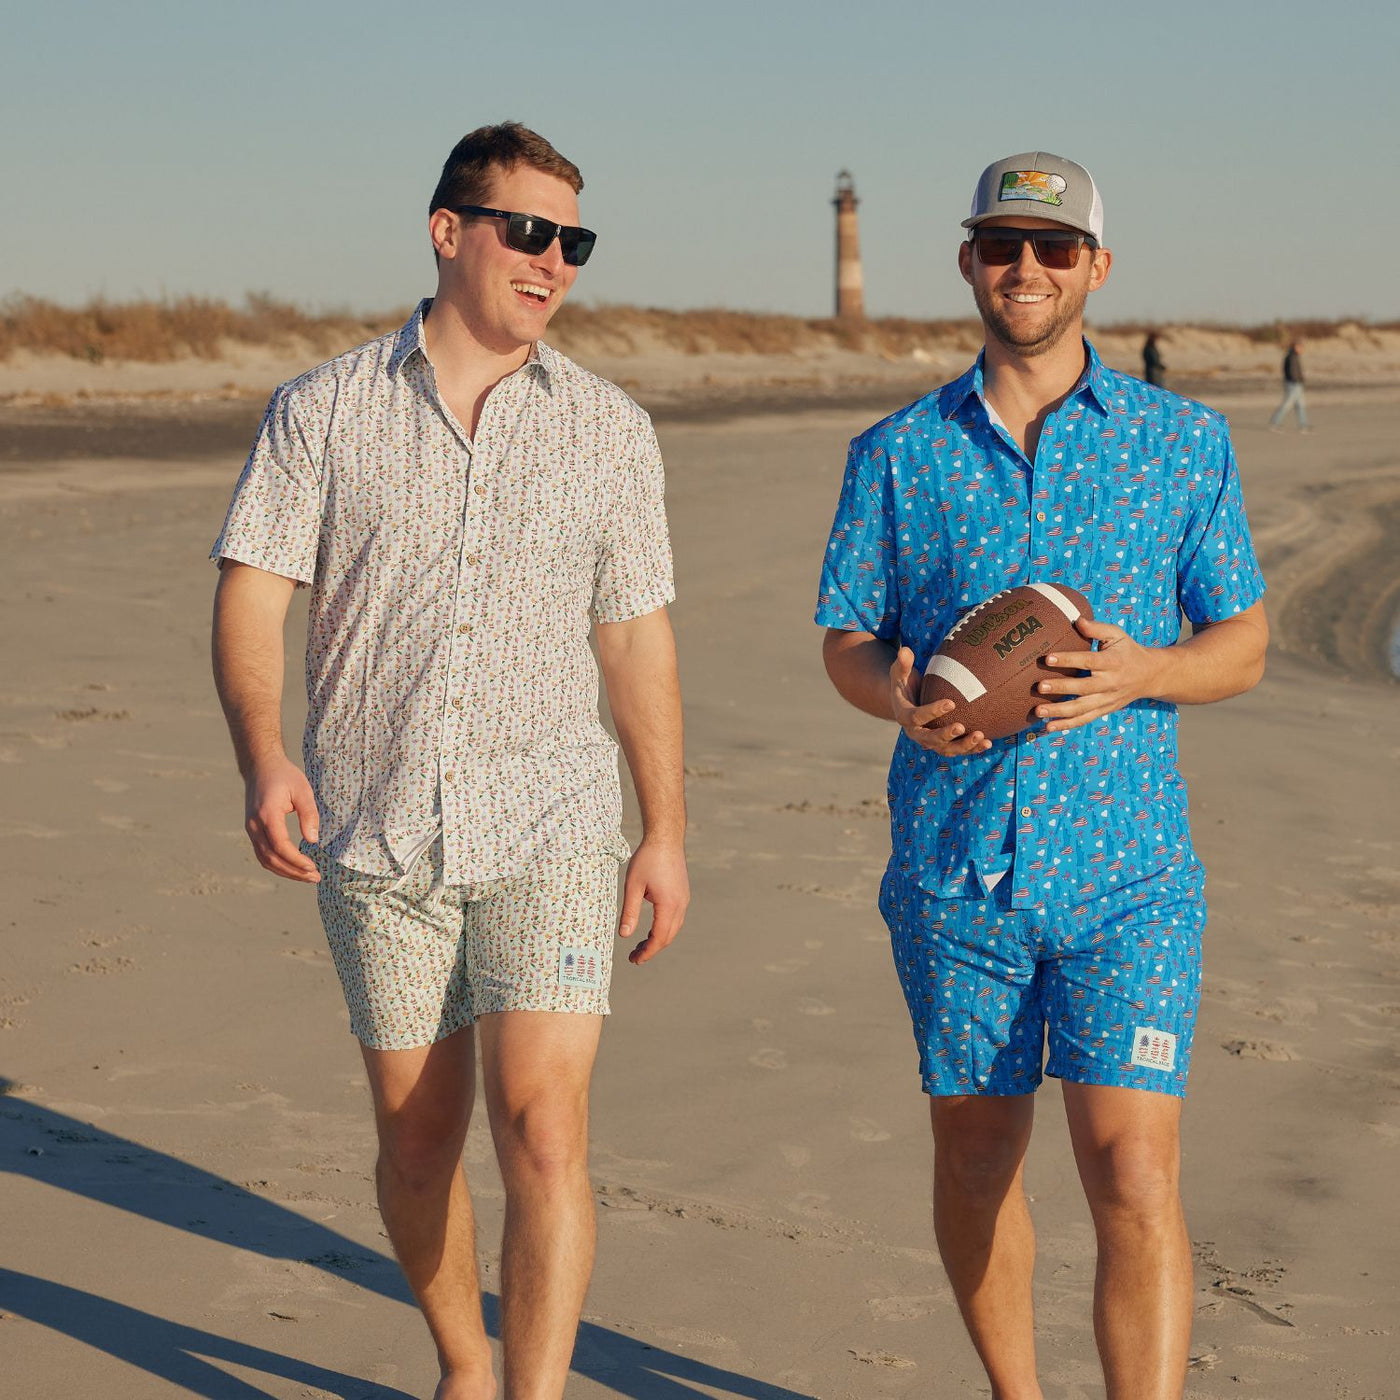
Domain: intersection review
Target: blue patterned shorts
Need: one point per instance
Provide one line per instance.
(1114, 982)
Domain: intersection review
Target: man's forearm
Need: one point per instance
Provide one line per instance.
(859, 667)
(639, 669)
(249, 610)
(1215, 662)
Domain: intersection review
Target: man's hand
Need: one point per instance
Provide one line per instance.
(655, 873)
(919, 722)
(1120, 671)
(275, 789)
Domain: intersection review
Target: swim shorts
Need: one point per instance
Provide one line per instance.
(1113, 983)
(418, 960)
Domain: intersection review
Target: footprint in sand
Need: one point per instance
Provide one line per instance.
(794, 1155)
(884, 1358)
(111, 784)
(815, 1006)
(38, 833)
(103, 967)
(907, 1308)
(769, 1059)
(1252, 1049)
(785, 967)
(868, 1130)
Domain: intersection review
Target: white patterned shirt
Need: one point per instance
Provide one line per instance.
(449, 679)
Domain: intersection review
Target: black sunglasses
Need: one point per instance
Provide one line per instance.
(528, 233)
(1056, 248)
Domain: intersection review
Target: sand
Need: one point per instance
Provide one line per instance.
(188, 1206)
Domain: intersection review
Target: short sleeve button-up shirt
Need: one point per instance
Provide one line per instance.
(450, 683)
(1134, 499)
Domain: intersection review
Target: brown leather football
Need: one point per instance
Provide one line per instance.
(992, 660)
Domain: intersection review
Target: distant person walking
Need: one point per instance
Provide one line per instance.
(1293, 396)
(1153, 366)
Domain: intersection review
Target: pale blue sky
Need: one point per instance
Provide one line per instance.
(1245, 150)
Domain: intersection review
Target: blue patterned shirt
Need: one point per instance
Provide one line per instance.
(1134, 499)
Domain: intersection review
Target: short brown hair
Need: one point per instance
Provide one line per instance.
(467, 172)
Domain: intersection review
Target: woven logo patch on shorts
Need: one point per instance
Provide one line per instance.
(580, 967)
(1154, 1049)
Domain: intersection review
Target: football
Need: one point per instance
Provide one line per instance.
(992, 660)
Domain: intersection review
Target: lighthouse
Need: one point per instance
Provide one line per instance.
(850, 288)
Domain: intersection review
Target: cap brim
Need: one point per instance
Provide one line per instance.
(1030, 211)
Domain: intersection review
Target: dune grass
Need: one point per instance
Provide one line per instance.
(202, 327)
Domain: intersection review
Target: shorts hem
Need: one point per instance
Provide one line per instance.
(937, 1088)
(1116, 1079)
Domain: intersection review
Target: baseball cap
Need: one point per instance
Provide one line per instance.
(1038, 184)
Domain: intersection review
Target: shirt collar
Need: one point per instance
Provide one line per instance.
(1093, 385)
(544, 360)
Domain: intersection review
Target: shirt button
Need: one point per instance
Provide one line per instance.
(449, 777)
(1040, 515)
(473, 559)
(457, 702)
(1025, 811)
(480, 490)
(463, 628)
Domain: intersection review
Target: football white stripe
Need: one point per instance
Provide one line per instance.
(1063, 601)
(957, 675)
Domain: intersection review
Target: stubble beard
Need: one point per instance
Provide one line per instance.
(1029, 343)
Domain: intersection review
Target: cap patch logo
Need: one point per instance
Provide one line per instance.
(1032, 184)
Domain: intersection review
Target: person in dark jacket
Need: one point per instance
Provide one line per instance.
(1153, 368)
(1292, 390)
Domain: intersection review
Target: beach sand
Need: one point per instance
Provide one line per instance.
(185, 1132)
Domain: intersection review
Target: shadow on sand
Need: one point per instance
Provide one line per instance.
(70, 1155)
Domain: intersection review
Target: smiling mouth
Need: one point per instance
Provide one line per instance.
(532, 291)
(1027, 298)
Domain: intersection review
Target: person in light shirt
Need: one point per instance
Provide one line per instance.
(467, 506)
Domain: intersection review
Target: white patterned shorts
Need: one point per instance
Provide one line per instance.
(418, 960)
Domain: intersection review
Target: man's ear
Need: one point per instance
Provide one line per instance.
(445, 229)
(1098, 271)
(965, 261)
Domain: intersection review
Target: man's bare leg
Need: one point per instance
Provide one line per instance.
(422, 1106)
(536, 1069)
(1126, 1142)
(984, 1230)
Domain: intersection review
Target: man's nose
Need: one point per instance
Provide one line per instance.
(552, 259)
(1027, 264)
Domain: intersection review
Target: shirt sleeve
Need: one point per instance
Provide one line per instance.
(634, 574)
(1217, 572)
(274, 519)
(859, 589)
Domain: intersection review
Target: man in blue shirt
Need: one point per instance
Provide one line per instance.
(1044, 887)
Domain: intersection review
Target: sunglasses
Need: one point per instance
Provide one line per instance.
(999, 247)
(528, 233)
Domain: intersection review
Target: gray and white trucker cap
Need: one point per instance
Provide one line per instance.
(1042, 186)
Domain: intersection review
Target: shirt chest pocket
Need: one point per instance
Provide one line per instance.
(1137, 538)
(552, 540)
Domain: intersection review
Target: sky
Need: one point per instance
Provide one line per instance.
(1245, 150)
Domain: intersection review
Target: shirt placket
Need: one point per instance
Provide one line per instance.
(455, 759)
(1032, 799)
